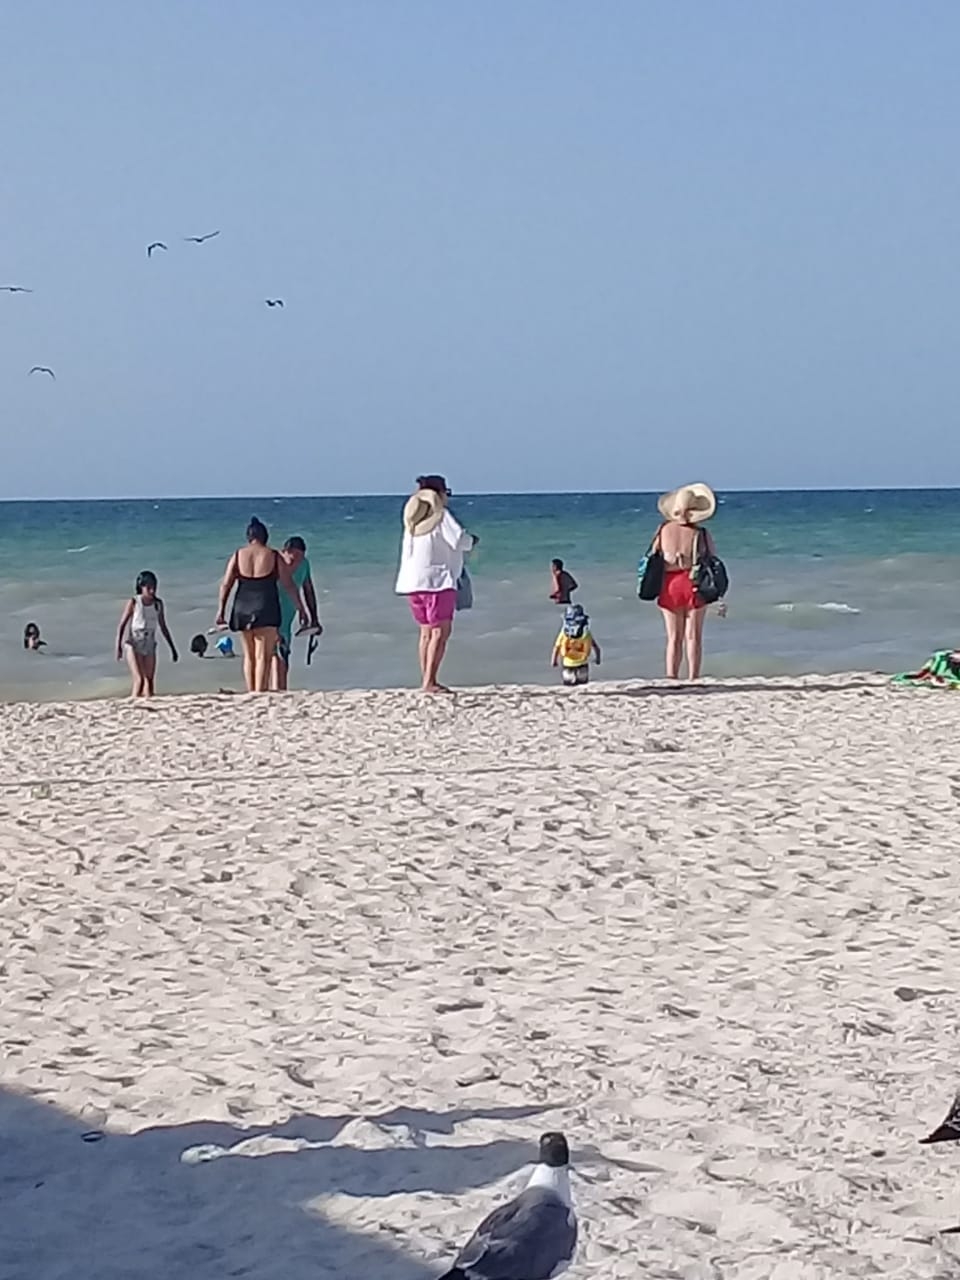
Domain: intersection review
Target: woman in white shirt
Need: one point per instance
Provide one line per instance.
(431, 562)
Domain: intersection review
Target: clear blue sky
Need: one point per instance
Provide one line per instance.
(538, 244)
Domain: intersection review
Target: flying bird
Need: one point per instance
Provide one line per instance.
(42, 368)
(949, 1130)
(157, 244)
(274, 302)
(533, 1236)
(200, 239)
(13, 288)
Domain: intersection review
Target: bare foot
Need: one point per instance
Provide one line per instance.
(435, 688)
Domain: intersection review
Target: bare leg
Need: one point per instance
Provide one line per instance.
(673, 620)
(148, 668)
(424, 644)
(279, 673)
(135, 663)
(249, 661)
(436, 648)
(693, 637)
(265, 645)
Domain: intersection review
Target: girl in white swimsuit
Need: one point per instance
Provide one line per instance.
(142, 618)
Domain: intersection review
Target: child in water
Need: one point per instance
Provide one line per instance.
(575, 646)
(142, 618)
(224, 646)
(564, 583)
(31, 638)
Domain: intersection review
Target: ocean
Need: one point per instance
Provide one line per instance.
(821, 581)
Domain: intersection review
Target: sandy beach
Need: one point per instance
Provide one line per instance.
(365, 947)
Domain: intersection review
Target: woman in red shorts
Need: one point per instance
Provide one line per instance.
(431, 562)
(684, 511)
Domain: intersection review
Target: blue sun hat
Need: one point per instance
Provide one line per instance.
(575, 621)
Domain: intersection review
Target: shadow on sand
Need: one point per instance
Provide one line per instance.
(124, 1206)
(741, 686)
(615, 689)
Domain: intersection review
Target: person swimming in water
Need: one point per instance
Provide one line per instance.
(200, 644)
(564, 583)
(31, 638)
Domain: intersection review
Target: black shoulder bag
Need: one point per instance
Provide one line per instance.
(709, 574)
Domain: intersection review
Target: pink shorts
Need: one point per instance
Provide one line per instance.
(433, 608)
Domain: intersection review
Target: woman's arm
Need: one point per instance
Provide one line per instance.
(124, 619)
(162, 619)
(310, 600)
(454, 534)
(226, 586)
(290, 587)
(596, 651)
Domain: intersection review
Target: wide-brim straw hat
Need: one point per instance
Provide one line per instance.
(423, 512)
(692, 502)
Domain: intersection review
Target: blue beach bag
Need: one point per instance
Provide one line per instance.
(464, 592)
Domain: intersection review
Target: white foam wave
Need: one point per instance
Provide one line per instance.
(828, 606)
(75, 551)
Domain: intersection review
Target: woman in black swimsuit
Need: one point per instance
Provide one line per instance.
(257, 570)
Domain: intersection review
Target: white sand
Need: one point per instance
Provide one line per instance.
(388, 941)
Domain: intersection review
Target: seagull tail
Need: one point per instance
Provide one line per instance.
(943, 1133)
(454, 1274)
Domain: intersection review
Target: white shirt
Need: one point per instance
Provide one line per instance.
(433, 561)
(145, 618)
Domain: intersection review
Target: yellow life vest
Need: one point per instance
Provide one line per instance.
(575, 650)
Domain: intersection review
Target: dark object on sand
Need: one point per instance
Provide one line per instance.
(949, 1130)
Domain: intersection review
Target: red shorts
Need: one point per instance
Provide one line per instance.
(433, 608)
(678, 592)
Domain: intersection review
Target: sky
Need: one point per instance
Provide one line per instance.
(540, 245)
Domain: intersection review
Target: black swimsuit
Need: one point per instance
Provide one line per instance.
(256, 604)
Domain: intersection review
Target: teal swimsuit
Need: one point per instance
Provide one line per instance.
(287, 611)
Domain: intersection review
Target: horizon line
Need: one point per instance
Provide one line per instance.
(478, 493)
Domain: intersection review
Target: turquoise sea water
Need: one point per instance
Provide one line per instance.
(821, 581)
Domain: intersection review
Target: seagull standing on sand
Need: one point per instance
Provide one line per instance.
(42, 368)
(533, 1236)
(949, 1130)
(201, 239)
(157, 244)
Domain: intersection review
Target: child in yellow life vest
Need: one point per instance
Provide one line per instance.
(575, 645)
